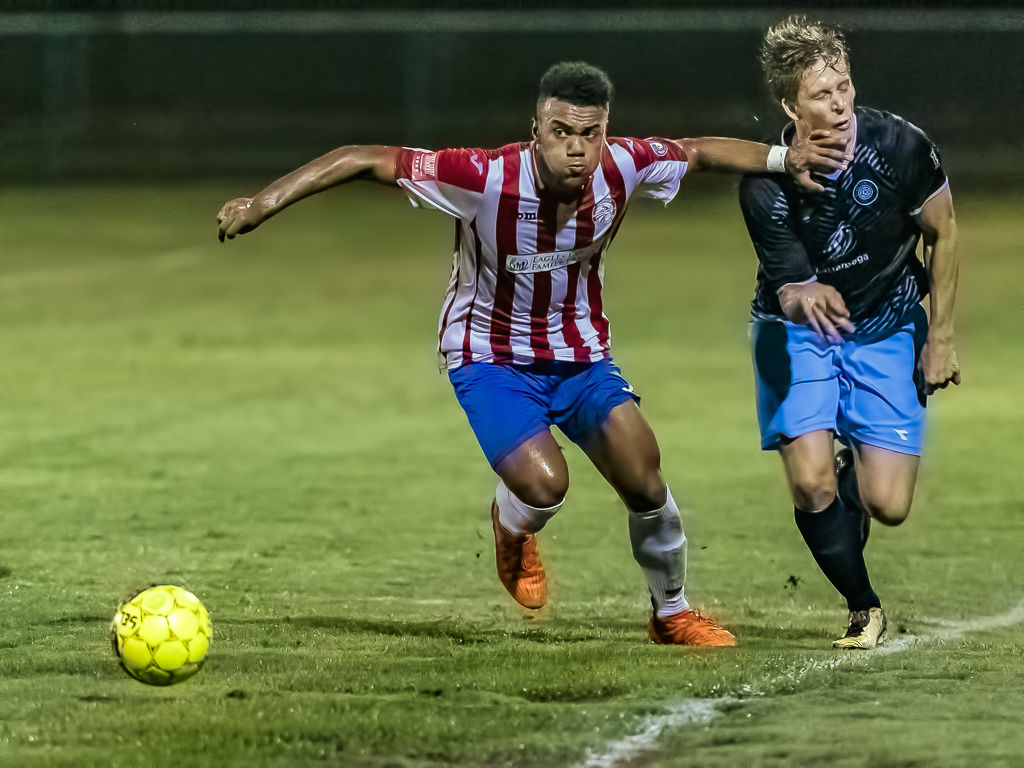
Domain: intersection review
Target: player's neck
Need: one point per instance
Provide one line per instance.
(851, 144)
(548, 187)
(793, 129)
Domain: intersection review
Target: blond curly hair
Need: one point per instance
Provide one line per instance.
(794, 44)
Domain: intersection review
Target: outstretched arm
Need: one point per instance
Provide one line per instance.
(817, 152)
(244, 214)
(938, 225)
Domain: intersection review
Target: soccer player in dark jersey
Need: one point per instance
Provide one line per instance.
(523, 332)
(842, 345)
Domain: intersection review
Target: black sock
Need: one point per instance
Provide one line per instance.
(833, 536)
(849, 492)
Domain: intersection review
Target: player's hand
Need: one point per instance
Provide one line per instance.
(237, 217)
(817, 152)
(938, 364)
(816, 305)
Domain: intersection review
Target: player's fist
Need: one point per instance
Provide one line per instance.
(816, 305)
(938, 364)
(237, 217)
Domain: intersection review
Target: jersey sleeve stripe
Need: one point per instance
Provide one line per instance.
(403, 163)
(463, 168)
(936, 193)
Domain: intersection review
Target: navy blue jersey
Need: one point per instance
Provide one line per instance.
(859, 235)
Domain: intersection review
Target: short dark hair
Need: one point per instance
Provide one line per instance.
(794, 44)
(578, 83)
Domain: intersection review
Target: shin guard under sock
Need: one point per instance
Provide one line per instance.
(834, 538)
(849, 492)
(516, 516)
(659, 547)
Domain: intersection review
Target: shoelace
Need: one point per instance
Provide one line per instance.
(519, 559)
(530, 561)
(509, 556)
(700, 625)
(704, 621)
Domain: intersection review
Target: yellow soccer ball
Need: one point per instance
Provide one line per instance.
(161, 635)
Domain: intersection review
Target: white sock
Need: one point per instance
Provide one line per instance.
(516, 516)
(659, 546)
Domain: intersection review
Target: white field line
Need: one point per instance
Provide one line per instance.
(679, 713)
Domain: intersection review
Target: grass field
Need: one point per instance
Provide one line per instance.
(263, 423)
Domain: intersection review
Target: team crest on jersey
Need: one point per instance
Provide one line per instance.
(604, 211)
(659, 149)
(865, 192)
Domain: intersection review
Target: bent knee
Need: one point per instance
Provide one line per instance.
(889, 506)
(644, 492)
(541, 491)
(888, 513)
(814, 495)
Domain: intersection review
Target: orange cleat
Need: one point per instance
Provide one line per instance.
(688, 628)
(519, 565)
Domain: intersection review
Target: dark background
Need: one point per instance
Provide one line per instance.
(157, 90)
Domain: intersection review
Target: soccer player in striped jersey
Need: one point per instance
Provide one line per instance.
(523, 332)
(842, 345)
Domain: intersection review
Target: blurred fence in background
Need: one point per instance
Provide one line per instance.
(178, 93)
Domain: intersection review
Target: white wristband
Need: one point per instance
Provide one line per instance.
(777, 159)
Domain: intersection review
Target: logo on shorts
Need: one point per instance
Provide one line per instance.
(659, 149)
(604, 211)
(628, 389)
(865, 192)
(902, 433)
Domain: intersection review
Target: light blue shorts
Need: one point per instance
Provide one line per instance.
(863, 391)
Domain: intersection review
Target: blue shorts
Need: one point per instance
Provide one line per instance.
(863, 391)
(508, 404)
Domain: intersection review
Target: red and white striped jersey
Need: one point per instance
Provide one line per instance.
(521, 292)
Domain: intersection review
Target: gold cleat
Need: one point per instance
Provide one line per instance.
(866, 630)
